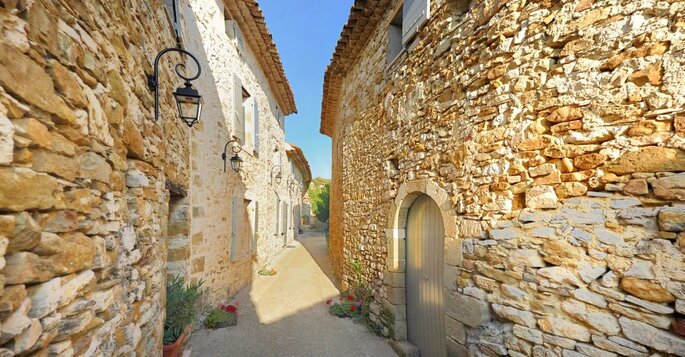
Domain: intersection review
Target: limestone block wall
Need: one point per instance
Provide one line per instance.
(555, 132)
(206, 253)
(84, 176)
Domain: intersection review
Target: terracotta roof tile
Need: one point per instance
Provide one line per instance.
(251, 20)
(364, 17)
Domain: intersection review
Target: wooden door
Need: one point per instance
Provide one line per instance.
(425, 312)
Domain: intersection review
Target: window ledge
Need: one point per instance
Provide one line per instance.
(397, 60)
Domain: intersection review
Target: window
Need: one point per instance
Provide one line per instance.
(395, 38)
(278, 216)
(250, 226)
(233, 32)
(239, 97)
(243, 228)
(284, 225)
(279, 118)
(245, 117)
(233, 251)
(172, 10)
(255, 226)
(251, 114)
(415, 13)
(405, 25)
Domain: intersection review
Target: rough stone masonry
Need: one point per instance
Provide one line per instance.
(84, 176)
(555, 131)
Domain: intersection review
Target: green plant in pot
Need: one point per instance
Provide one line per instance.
(182, 307)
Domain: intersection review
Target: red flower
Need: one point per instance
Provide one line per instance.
(329, 301)
(352, 308)
(350, 298)
(231, 308)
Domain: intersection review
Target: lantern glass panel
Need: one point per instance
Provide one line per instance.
(236, 163)
(189, 104)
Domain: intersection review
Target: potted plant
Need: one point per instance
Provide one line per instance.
(181, 311)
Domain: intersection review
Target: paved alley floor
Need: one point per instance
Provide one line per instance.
(286, 314)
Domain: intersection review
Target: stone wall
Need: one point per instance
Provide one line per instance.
(555, 133)
(206, 252)
(84, 172)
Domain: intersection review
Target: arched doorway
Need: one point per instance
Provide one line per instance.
(424, 277)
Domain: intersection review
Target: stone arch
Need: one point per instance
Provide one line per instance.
(396, 233)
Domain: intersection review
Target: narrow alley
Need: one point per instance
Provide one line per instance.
(494, 178)
(286, 314)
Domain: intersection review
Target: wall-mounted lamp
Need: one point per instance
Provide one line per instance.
(293, 184)
(188, 100)
(276, 173)
(236, 161)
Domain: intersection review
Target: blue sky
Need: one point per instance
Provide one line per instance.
(306, 32)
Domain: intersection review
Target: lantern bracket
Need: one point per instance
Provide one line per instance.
(236, 149)
(153, 79)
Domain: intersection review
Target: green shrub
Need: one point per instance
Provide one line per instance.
(219, 317)
(181, 307)
(321, 202)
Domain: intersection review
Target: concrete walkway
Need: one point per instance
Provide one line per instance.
(286, 314)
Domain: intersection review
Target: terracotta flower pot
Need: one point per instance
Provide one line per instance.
(175, 349)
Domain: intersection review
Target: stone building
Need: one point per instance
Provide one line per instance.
(96, 196)
(84, 176)
(510, 175)
(237, 221)
(298, 183)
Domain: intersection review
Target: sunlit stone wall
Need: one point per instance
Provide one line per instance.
(84, 176)
(556, 129)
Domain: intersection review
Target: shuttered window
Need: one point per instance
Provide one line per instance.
(284, 225)
(234, 230)
(251, 124)
(394, 38)
(234, 33)
(255, 109)
(253, 241)
(238, 110)
(415, 13)
(244, 228)
(173, 12)
(278, 216)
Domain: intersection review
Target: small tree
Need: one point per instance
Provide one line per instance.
(321, 203)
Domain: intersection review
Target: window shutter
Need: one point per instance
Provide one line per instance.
(278, 216)
(234, 228)
(173, 11)
(239, 111)
(233, 31)
(245, 222)
(250, 118)
(415, 13)
(253, 242)
(284, 225)
(255, 109)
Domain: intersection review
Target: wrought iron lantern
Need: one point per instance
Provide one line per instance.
(188, 99)
(236, 161)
